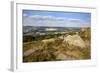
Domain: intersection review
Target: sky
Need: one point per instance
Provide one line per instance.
(56, 18)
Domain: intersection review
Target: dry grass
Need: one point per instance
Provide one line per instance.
(50, 51)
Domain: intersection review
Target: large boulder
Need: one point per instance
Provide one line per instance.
(75, 40)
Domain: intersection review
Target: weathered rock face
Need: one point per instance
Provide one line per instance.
(85, 33)
(75, 40)
(61, 56)
(48, 40)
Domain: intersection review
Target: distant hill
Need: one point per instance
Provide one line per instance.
(41, 29)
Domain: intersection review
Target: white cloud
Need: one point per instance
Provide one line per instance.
(25, 15)
(39, 20)
(38, 17)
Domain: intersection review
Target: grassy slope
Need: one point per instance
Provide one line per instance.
(51, 51)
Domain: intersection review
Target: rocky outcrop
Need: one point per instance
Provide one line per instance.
(75, 40)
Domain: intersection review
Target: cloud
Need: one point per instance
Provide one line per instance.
(25, 15)
(39, 20)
